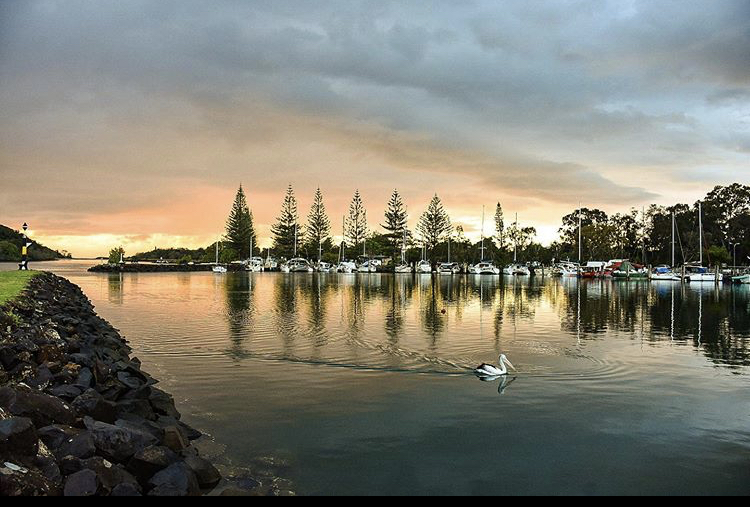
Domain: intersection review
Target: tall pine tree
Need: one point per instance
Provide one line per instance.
(240, 231)
(356, 225)
(395, 222)
(500, 226)
(434, 224)
(283, 230)
(318, 225)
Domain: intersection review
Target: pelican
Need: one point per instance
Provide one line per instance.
(489, 370)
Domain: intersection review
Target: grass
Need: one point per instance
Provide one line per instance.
(12, 283)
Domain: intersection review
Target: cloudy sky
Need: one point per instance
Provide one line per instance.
(134, 122)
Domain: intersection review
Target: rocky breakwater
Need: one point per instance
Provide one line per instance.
(78, 416)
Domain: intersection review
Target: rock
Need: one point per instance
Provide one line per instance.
(48, 467)
(50, 354)
(18, 437)
(41, 408)
(117, 443)
(85, 379)
(151, 460)
(56, 435)
(70, 465)
(140, 408)
(8, 358)
(174, 439)
(83, 483)
(175, 480)
(129, 380)
(110, 475)
(134, 422)
(66, 392)
(25, 483)
(92, 404)
(207, 474)
(163, 403)
(126, 490)
(81, 446)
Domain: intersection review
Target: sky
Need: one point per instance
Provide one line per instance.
(134, 122)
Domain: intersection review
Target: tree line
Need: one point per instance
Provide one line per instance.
(643, 235)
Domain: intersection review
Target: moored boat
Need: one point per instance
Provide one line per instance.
(449, 268)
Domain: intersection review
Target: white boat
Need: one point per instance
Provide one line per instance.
(346, 267)
(743, 279)
(270, 264)
(509, 270)
(254, 265)
(299, 265)
(699, 274)
(566, 269)
(474, 270)
(521, 271)
(449, 268)
(323, 267)
(403, 268)
(487, 268)
(664, 274)
(217, 267)
(368, 266)
(424, 267)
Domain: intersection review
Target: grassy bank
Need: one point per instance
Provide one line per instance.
(13, 282)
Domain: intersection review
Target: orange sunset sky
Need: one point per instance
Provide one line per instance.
(133, 123)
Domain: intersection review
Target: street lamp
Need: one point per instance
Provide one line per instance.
(24, 265)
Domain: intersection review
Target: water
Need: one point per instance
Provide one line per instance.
(363, 383)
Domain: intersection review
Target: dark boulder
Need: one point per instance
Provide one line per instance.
(41, 408)
(56, 435)
(81, 446)
(163, 403)
(91, 403)
(83, 483)
(175, 480)
(109, 474)
(25, 483)
(151, 460)
(174, 439)
(18, 437)
(66, 392)
(141, 408)
(116, 443)
(207, 474)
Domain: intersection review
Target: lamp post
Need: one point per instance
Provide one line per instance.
(24, 265)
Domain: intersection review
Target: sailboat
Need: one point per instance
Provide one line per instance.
(344, 266)
(218, 268)
(424, 267)
(697, 273)
(666, 273)
(484, 267)
(403, 266)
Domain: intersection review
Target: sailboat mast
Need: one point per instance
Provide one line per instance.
(217, 250)
(580, 234)
(700, 231)
(673, 240)
(482, 259)
(515, 242)
(295, 239)
(343, 239)
(449, 250)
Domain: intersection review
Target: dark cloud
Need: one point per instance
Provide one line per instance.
(553, 102)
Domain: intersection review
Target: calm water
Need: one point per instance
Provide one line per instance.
(363, 382)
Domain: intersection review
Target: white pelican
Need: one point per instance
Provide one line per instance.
(489, 370)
